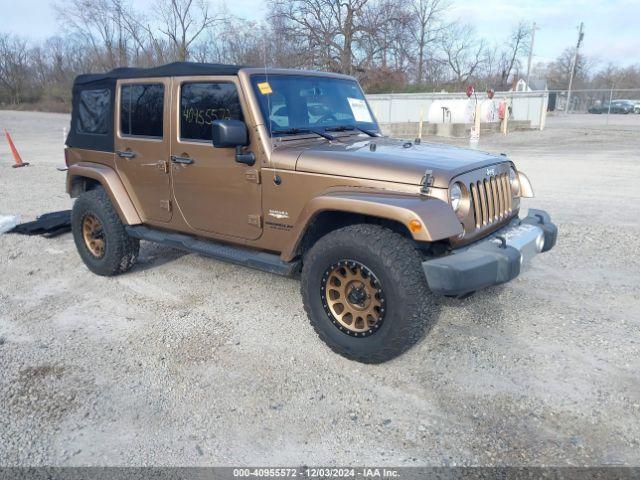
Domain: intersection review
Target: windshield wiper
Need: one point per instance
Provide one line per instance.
(371, 133)
(341, 128)
(347, 128)
(295, 131)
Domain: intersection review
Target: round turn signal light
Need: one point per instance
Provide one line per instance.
(415, 226)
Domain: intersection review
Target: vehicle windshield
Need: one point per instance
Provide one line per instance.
(301, 104)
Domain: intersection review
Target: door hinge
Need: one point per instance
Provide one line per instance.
(165, 205)
(255, 220)
(252, 176)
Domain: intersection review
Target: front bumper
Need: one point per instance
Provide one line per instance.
(493, 260)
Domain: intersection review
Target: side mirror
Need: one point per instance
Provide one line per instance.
(232, 134)
(229, 134)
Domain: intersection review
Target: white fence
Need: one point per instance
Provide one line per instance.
(409, 107)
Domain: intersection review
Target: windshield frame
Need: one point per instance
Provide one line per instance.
(254, 78)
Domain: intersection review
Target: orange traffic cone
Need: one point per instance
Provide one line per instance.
(16, 155)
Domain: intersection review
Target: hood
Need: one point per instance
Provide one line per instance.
(392, 160)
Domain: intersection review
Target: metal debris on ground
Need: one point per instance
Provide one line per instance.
(47, 225)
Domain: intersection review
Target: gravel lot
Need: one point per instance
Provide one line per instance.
(190, 361)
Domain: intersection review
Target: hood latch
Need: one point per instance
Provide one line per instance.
(427, 182)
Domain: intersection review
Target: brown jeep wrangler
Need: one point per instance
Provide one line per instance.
(287, 171)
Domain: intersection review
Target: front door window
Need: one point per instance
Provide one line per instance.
(202, 103)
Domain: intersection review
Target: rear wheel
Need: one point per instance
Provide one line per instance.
(100, 236)
(365, 292)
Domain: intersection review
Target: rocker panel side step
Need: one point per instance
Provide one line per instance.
(267, 262)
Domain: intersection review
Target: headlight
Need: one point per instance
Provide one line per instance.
(459, 200)
(514, 181)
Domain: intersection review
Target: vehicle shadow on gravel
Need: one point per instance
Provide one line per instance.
(153, 255)
(454, 302)
(483, 304)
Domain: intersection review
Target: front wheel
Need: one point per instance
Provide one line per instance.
(365, 292)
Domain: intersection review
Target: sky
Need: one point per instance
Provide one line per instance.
(611, 26)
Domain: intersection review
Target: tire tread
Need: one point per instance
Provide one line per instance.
(122, 252)
(402, 263)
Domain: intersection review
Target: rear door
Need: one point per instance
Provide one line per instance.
(142, 143)
(214, 193)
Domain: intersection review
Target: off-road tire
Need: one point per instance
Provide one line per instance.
(120, 250)
(397, 264)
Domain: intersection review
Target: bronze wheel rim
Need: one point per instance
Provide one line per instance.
(93, 235)
(353, 298)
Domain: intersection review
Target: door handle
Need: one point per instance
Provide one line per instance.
(126, 154)
(182, 160)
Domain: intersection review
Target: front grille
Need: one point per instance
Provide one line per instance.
(491, 199)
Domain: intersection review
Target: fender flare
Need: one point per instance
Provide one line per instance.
(438, 220)
(109, 179)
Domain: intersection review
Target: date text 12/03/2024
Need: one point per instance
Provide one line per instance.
(364, 472)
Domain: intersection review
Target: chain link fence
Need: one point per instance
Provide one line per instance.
(611, 101)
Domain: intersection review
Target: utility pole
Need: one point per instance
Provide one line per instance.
(573, 65)
(533, 36)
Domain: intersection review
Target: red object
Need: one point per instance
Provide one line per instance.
(14, 150)
(501, 110)
(470, 91)
(490, 93)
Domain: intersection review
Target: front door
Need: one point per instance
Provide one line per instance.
(142, 145)
(214, 193)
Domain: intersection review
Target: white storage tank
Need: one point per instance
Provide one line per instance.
(455, 111)
(489, 111)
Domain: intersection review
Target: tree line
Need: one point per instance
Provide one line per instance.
(390, 45)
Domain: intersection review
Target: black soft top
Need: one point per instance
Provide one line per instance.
(92, 114)
(176, 69)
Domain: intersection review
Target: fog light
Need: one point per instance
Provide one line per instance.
(540, 243)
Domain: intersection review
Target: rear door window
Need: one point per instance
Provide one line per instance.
(141, 110)
(94, 107)
(203, 102)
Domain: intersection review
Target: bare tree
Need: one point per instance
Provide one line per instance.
(118, 35)
(14, 68)
(559, 70)
(384, 42)
(620, 77)
(237, 41)
(148, 46)
(517, 46)
(463, 52)
(326, 32)
(100, 26)
(182, 22)
(390, 45)
(427, 29)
